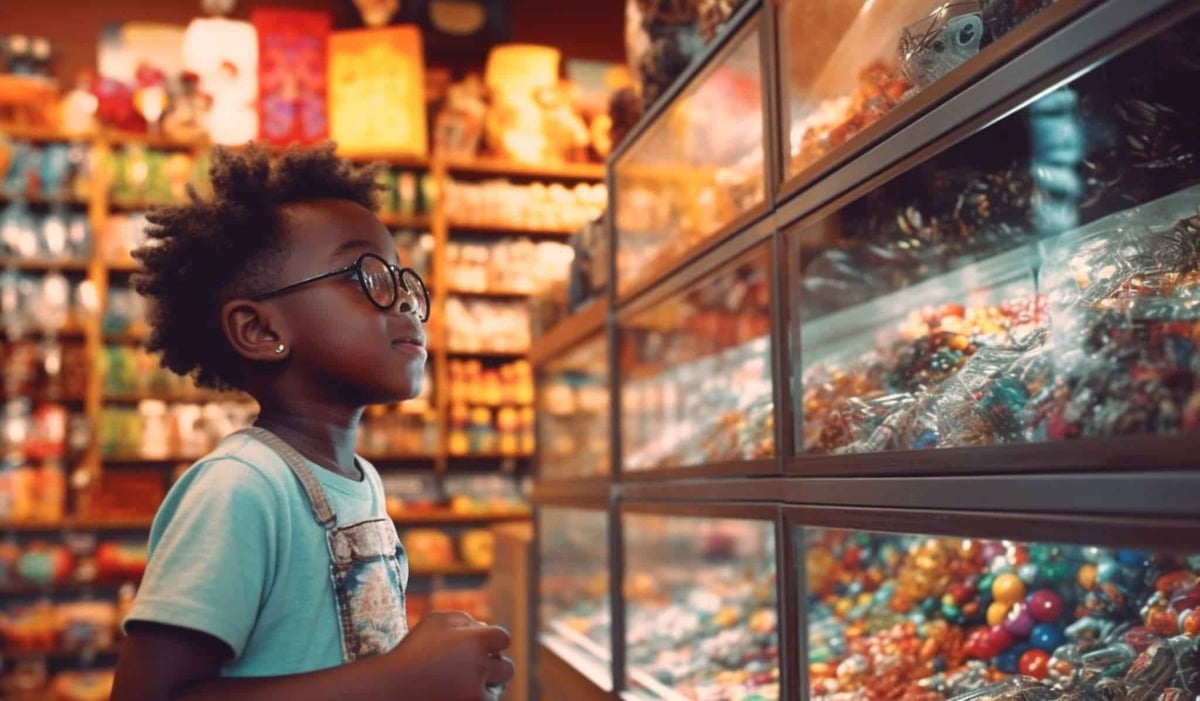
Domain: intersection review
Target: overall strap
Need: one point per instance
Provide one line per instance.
(316, 495)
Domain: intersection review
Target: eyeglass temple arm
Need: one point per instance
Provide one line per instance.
(288, 288)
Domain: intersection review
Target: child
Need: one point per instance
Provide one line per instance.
(274, 570)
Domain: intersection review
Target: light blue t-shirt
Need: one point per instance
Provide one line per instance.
(235, 552)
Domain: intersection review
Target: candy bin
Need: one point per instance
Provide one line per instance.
(575, 616)
(701, 609)
(929, 617)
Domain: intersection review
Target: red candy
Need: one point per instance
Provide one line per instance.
(1035, 663)
(1045, 606)
(962, 593)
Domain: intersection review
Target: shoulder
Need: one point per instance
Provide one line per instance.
(239, 468)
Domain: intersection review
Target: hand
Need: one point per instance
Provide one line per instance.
(458, 656)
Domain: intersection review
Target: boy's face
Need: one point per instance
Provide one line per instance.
(342, 344)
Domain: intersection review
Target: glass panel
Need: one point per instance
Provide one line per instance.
(696, 374)
(846, 64)
(575, 620)
(573, 417)
(1037, 281)
(696, 169)
(701, 614)
(921, 617)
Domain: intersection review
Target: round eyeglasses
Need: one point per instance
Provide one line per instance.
(386, 285)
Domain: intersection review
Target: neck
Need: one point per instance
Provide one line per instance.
(322, 433)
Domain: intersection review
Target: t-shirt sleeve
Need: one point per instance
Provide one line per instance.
(212, 552)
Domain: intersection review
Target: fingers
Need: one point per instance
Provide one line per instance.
(494, 638)
(457, 619)
(500, 671)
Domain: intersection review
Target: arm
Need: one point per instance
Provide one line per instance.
(447, 656)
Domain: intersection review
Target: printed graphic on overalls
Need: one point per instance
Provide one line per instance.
(370, 571)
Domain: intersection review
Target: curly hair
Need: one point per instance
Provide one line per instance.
(199, 255)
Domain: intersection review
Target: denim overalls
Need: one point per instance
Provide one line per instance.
(368, 566)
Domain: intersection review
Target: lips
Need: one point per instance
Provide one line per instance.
(409, 340)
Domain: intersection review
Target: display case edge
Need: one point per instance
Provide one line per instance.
(568, 333)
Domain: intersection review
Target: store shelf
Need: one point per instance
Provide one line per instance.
(396, 160)
(27, 590)
(454, 569)
(63, 654)
(140, 205)
(492, 167)
(569, 332)
(447, 517)
(496, 229)
(156, 141)
(143, 461)
(496, 354)
(123, 268)
(127, 338)
(43, 201)
(405, 221)
(40, 134)
(135, 397)
(78, 524)
(490, 294)
(73, 334)
(393, 458)
(43, 264)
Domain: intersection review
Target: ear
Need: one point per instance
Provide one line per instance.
(253, 331)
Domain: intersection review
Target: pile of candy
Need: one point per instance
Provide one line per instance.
(1108, 349)
(926, 618)
(701, 608)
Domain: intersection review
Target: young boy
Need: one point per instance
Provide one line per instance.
(274, 570)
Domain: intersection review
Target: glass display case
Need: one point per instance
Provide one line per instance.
(1037, 281)
(696, 373)
(701, 609)
(696, 169)
(574, 615)
(573, 416)
(845, 65)
(930, 617)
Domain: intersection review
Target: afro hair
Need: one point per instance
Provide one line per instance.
(199, 255)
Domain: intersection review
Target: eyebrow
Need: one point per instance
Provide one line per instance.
(352, 245)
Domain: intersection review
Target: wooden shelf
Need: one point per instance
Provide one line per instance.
(43, 201)
(490, 456)
(62, 653)
(138, 205)
(502, 355)
(72, 334)
(79, 524)
(395, 160)
(490, 294)
(43, 590)
(44, 264)
(127, 268)
(494, 167)
(126, 138)
(455, 569)
(497, 229)
(445, 516)
(41, 134)
(405, 221)
(135, 397)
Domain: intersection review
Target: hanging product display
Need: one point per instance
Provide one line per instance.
(223, 53)
(377, 91)
(291, 75)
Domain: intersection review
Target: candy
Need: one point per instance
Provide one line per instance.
(1045, 606)
(1019, 621)
(1008, 589)
(1035, 663)
(1046, 636)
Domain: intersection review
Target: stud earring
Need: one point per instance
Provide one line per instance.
(279, 349)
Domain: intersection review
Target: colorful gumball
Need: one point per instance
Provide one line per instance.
(1020, 621)
(1044, 606)
(1046, 636)
(996, 613)
(1035, 663)
(1008, 588)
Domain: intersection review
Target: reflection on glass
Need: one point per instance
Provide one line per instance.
(697, 168)
(919, 617)
(575, 620)
(847, 63)
(696, 374)
(1037, 281)
(573, 419)
(701, 611)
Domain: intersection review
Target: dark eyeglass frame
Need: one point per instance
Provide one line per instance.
(356, 268)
